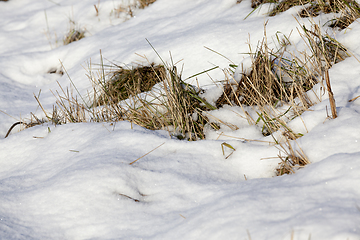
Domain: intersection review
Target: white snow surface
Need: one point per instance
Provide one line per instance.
(75, 181)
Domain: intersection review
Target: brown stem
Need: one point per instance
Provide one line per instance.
(331, 95)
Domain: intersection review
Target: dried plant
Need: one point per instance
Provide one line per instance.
(325, 50)
(75, 33)
(291, 159)
(256, 3)
(285, 5)
(274, 81)
(349, 9)
(122, 82)
(145, 3)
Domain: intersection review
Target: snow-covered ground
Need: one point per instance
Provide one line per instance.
(74, 181)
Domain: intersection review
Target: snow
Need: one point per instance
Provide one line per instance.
(75, 181)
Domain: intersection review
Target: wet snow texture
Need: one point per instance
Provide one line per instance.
(74, 181)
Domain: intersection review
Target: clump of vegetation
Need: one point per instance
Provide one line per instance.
(325, 49)
(257, 3)
(156, 97)
(316, 8)
(129, 10)
(145, 3)
(281, 76)
(272, 82)
(176, 107)
(123, 94)
(287, 4)
(349, 9)
(124, 83)
(73, 36)
(268, 82)
(277, 84)
(291, 159)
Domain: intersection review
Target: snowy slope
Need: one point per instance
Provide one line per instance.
(75, 181)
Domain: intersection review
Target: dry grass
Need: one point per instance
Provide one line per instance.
(176, 106)
(73, 36)
(67, 108)
(277, 85)
(291, 159)
(124, 94)
(326, 51)
(318, 7)
(287, 4)
(145, 3)
(268, 81)
(276, 88)
(129, 10)
(257, 3)
(124, 83)
(272, 82)
(349, 9)
(75, 33)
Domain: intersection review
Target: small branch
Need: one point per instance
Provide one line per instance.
(331, 95)
(351, 100)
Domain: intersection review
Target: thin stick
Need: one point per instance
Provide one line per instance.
(351, 100)
(146, 154)
(331, 95)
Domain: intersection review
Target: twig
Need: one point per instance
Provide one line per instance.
(331, 95)
(351, 100)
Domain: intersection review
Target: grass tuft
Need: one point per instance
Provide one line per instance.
(274, 82)
(285, 5)
(73, 36)
(124, 83)
(130, 94)
(145, 3)
(175, 106)
(256, 3)
(277, 87)
(349, 9)
(291, 159)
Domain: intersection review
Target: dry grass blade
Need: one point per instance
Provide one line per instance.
(145, 154)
